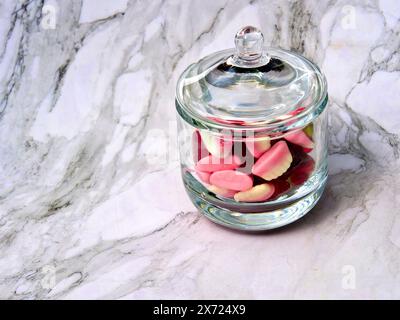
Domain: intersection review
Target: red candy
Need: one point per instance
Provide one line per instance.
(198, 147)
(302, 172)
(281, 186)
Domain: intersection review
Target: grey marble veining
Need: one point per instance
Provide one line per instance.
(91, 201)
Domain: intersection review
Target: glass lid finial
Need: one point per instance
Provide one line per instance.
(249, 42)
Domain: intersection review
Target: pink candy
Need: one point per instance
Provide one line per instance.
(274, 162)
(204, 176)
(232, 180)
(211, 163)
(300, 138)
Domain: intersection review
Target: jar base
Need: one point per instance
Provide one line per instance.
(260, 221)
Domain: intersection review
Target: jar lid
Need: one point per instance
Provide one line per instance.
(251, 87)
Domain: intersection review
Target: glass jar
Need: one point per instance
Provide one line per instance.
(252, 134)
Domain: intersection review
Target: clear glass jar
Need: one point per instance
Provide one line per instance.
(253, 134)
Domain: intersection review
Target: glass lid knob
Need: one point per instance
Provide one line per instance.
(249, 42)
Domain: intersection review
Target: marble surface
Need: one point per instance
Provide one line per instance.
(91, 202)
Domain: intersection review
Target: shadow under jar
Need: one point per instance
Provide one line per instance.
(252, 134)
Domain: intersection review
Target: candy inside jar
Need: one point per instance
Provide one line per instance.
(252, 168)
(252, 133)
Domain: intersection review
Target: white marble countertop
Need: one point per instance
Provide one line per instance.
(92, 204)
